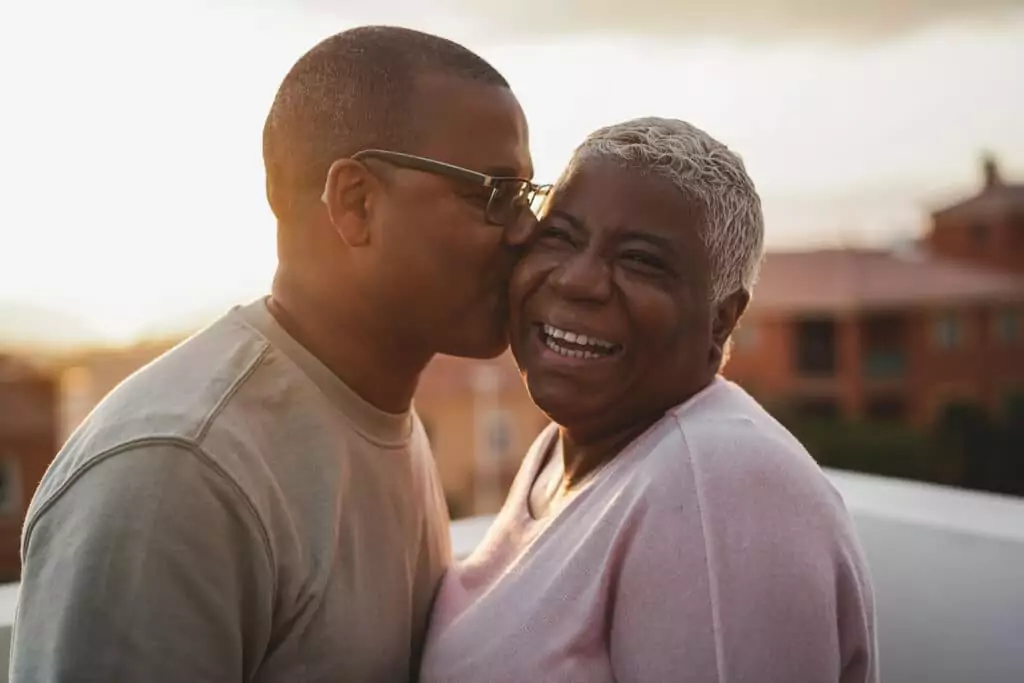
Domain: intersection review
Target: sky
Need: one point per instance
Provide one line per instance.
(131, 183)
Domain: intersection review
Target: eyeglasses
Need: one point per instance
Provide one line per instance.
(509, 196)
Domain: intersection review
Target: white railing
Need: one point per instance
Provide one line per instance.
(948, 569)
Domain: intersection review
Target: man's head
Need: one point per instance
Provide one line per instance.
(649, 247)
(412, 249)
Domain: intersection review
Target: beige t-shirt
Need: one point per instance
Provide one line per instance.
(232, 512)
(712, 549)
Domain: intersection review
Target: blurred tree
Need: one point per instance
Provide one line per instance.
(965, 434)
(1012, 445)
(965, 447)
(885, 449)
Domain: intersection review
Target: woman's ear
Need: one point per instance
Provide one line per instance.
(727, 314)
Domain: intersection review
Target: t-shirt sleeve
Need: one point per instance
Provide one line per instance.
(760, 579)
(149, 566)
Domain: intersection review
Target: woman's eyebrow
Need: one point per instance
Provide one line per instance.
(568, 218)
(622, 234)
(659, 241)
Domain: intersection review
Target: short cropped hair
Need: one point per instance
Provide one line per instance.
(705, 171)
(352, 91)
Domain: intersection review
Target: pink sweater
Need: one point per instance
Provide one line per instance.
(713, 549)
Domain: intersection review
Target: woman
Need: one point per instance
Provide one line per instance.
(665, 527)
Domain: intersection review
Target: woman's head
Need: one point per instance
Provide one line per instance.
(648, 247)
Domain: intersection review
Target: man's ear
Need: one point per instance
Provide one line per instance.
(727, 315)
(348, 197)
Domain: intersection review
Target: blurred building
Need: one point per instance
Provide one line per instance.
(88, 376)
(28, 442)
(986, 229)
(895, 335)
(481, 421)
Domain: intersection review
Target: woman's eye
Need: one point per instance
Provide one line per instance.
(551, 233)
(644, 260)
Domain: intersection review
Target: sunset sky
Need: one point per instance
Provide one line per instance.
(131, 184)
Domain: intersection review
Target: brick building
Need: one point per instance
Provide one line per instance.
(28, 442)
(481, 421)
(895, 334)
(86, 377)
(987, 228)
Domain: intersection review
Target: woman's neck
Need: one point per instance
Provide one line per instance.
(586, 449)
(583, 455)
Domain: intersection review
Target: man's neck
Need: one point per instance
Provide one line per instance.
(382, 370)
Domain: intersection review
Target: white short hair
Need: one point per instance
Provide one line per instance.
(705, 171)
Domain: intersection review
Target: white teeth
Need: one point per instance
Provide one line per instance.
(575, 338)
(553, 333)
(571, 353)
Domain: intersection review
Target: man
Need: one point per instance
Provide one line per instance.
(260, 504)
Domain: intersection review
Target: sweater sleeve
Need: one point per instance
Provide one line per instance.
(749, 572)
(148, 567)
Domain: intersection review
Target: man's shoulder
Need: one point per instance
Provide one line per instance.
(178, 394)
(170, 403)
(128, 481)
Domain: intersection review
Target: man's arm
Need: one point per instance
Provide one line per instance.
(149, 566)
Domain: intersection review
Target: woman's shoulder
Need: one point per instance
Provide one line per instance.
(722, 445)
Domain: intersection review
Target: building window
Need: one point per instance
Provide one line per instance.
(885, 342)
(885, 364)
(494, 435)
(1008, 327)
(10, 486)
(816, 348)
(499, 434)
(948, 331)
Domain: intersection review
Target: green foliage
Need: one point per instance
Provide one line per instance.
(882, 448)
(965, 447)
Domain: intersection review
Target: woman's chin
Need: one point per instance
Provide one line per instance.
(559, 400)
